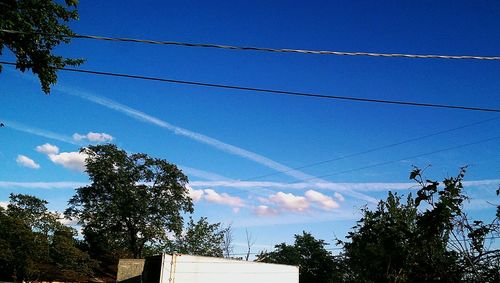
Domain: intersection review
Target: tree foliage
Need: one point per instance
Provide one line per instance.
(315, 263)
(42, 26)
(201, 238)
(132, 202)
(35, 246)
(426, 239)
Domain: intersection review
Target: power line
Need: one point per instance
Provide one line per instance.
(275, 91)
(381, 163)
(408, 157)
(374, 149)
(264, 49)
(392, 161)
(365, 152)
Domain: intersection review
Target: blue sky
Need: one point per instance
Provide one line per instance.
(223, 137)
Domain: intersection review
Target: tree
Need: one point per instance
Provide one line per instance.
(418, 241)
(227, 243)
(19, 253)
(250, 242)
(42, 25)
(315, 262)
(71, 262)
(132, 202)
(201, 238)
(35, 245)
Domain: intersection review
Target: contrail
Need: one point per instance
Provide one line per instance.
(141, 116)
(365, 187)
(38, 132)
(42, 185)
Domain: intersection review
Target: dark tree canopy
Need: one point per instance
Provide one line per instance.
(35, 245)
(315, 262)
(43, 26)
(132, 202)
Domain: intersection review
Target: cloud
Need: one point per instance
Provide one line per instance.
(365, 187)
(223, 198)
(47, 149)
(68, 222)
(4, 204)
(264, 210)
(25, 161)
(93, 137)
(195, 195)
(323, 201)
(42, 185)
(203, 174)
(289, 202)
(38, 132)
(72, 160)
(339, 196)
(141, 116)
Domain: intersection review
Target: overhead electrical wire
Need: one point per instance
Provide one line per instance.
(265, 49)
(406, 158)
(366, 151)
(275, 91)
(379, 164)
(374, 149)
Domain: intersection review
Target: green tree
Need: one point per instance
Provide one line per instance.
(425, 239)
(315, 263)
(34, 245)
(19, 253)
(201, 238)
(71, 263)
(42, 25)
(132, 202)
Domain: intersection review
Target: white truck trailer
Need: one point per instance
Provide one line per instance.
(179, 268)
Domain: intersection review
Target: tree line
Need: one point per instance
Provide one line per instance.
(423, 238)
(135, 206)
(132, 208)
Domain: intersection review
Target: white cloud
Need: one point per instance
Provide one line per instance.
(289, 202)
(339, 196)
(25, 161)
(324, 201)
(93, 137)
(223, 198)
(68, 222)
(264, 210)
(72, 160)
(47, 149)
(4, 204)
(195, 195)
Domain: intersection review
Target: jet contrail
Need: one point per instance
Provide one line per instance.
(38, 132)
(141, 116)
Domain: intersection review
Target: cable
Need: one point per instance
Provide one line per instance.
(274, 91)
(374, 149)
(391, 161)
(364, 152)
(263, 49)
(405, 158)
